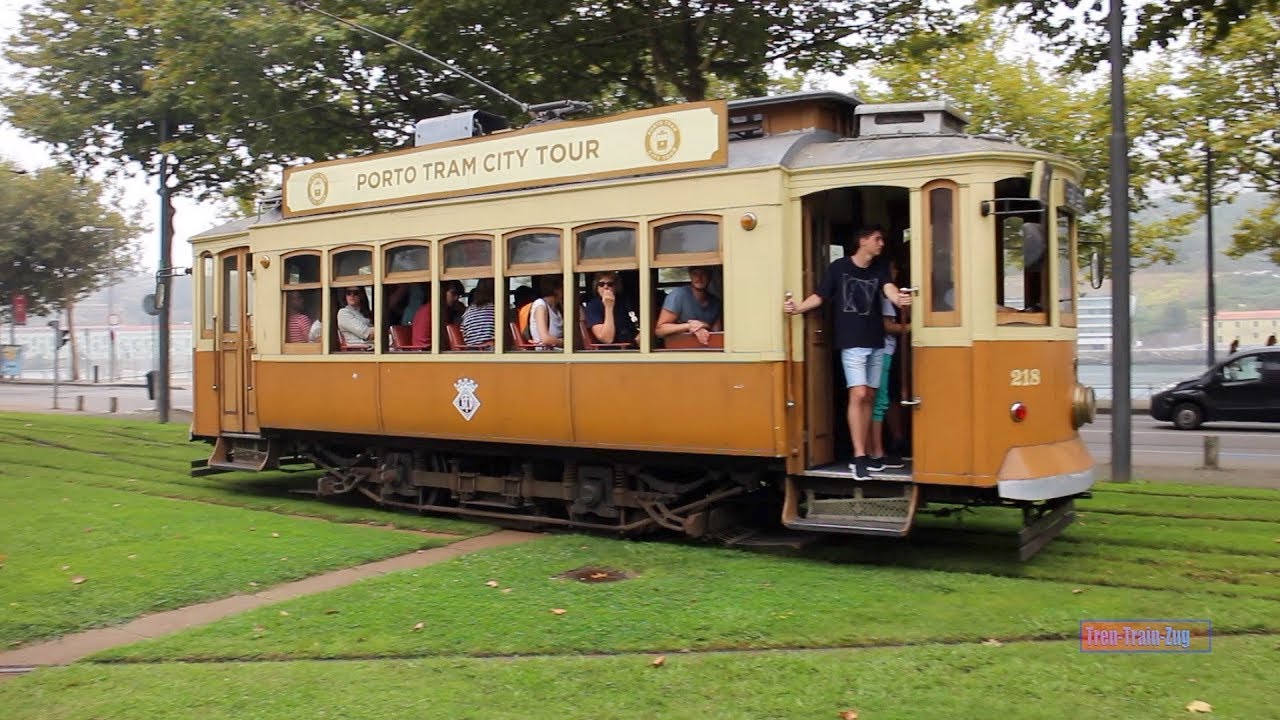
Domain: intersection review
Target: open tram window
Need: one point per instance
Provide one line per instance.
(535, 290)
(687, 282)
(352, 300)
(607, 287)
(303, 301)
(406, 296)
(468, 318)
(1023, 262)
(1066, 239)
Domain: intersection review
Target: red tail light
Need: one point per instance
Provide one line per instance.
(1018, 412)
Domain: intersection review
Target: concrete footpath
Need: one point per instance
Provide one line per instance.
(69, 648)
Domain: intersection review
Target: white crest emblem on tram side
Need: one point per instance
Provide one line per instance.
(466, 402)
(662, 140)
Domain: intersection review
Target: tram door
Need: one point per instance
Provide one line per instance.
(819, 402)
(235, 342)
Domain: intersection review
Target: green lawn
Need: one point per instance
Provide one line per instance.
(1049, 681)
(138, 553)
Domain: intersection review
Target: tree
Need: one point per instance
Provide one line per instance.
(248, 86)
(59, 243)
(1045, 109)
(1079, 27)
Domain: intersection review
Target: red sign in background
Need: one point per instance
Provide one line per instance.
(19, 309)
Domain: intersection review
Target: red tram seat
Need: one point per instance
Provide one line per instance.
(402, 339)
(517, 339)
(453, 332)
(344, 346)
(589, 340)
(686, 341)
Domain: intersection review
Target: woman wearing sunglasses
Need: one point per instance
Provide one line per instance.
(609, 317)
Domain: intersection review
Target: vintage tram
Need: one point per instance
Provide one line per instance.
(330, 325)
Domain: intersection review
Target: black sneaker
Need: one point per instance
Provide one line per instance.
(892, 461)
(859, 468)
(875, 464)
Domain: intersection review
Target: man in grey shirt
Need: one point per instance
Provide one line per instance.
(691, 309)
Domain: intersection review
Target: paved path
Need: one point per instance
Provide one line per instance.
(1243, 446)
(130, 399)
(70, 648)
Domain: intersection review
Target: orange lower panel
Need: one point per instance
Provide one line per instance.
(1037, 461)
(723, 408)
(204, 419)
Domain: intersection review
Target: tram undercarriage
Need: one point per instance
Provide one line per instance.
(734, 500)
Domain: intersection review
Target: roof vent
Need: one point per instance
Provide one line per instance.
(915, 118)
(268, 199)
(457, 126)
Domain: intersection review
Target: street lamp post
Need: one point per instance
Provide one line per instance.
(1121, 422)
(1211, 300)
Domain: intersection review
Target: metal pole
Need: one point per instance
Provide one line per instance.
(166, 238)
(1121, 421)
(57, 345)
(1208, 205)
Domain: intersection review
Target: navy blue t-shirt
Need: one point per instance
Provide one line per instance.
(625, 329)
(856, 295)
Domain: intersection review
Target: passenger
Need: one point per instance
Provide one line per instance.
(477, 321)
(546, 322)
(608, 315)
(421, 321)
(453, 307)
(524, 297)
(417, 298)
(299, 323)
(691, 309)
(857, 283)
(892, 331)
(354, 318)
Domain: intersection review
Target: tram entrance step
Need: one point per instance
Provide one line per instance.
(841, 471)
(865, 508)
(252, 454)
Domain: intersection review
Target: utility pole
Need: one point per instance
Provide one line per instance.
(1208, 218)
(1121, 421)
(57, 346)
(166, 240)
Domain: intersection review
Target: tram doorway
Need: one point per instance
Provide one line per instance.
(234, 323)
(832, 219)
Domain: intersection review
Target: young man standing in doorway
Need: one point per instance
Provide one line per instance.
(856, 284)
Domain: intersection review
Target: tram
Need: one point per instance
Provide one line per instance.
(370, 319)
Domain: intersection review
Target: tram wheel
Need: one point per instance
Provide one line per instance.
(1187, 416)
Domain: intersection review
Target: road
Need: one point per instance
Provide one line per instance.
(129, 400)
(1244, 446)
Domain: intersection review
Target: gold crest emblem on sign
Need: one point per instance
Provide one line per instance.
(662, 140)
(318, 188)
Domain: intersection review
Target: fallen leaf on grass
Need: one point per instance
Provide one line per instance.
(253, 584)
(659, 661)
(275, 534)
(506, 590)
(65, 568)
(992, 642)
(133, 557)
(849, 715)
(284, 613)
(1077, 591)
(492, 583)
(558, 611)
(115, 504)
(77, 580)
(599, 576)
(418, 627)
(88, 529)
(331, 611)
(1199, 706)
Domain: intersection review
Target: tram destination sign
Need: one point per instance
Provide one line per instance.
(645, 141)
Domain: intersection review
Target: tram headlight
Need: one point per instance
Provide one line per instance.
(1084, 405)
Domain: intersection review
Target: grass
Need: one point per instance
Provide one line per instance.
(139, 554)
(155, 459)
(1053, 681)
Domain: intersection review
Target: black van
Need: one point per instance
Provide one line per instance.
(1245, 387)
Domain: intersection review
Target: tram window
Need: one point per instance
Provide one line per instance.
(469, 253)
(545, 294)
(473, 330)
(606, 245)
(406, 259)
(353, 264)
(942, 260)
(533, 249)
(1066, 268)
(693, 237)
(593, 332)
(352, 329)
(468, 259)
(1023, 287)
(230, 295)
(303, 303)
(407, 315)
(206, 294)
(684, 298)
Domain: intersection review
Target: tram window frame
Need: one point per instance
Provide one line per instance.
(311, 288)
(392, 280)
(948, 317)
(337, 296)
(1068, 266)
(1020, 187)
(230, 306)
(209, 311)
(534, 272)
(583, 291)
(680, 262)
(463, 273)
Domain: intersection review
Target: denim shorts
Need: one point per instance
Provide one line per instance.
(862, 366)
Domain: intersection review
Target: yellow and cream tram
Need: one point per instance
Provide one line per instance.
(629, 433)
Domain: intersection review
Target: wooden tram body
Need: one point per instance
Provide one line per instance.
(667, 433)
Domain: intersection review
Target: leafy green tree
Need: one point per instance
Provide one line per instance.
(59, 242)
(1042, 108)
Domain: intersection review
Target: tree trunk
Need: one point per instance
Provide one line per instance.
(72, 345)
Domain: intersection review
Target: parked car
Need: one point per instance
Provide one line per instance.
(1244, 387)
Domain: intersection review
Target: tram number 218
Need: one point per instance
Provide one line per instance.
(1024, 377)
